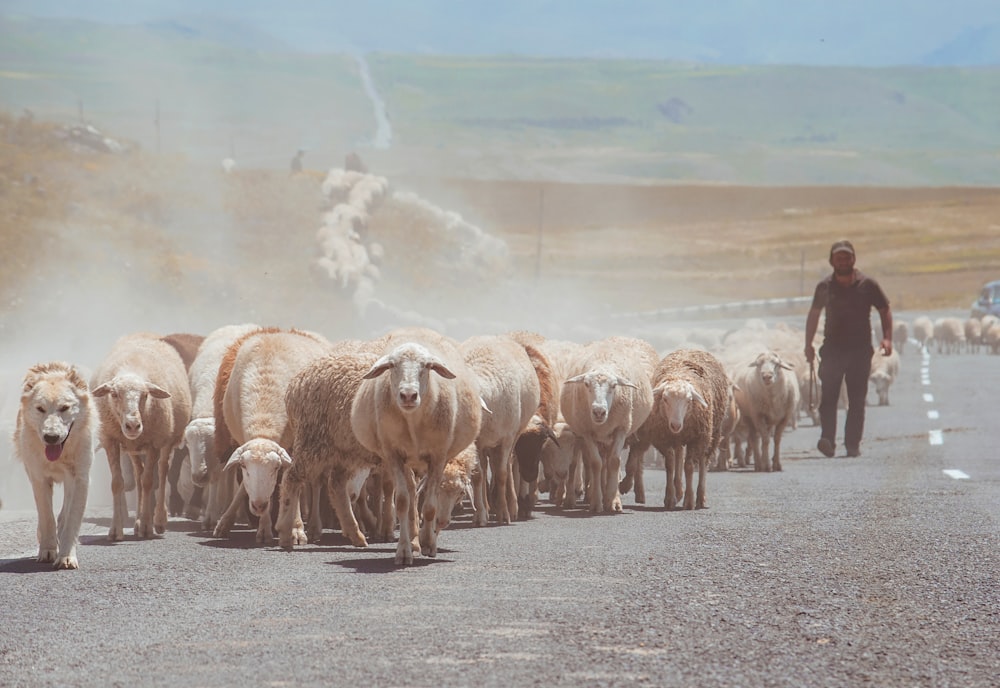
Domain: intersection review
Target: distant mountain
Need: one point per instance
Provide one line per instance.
(973, 47)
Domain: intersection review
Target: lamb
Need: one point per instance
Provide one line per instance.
(199, 435)
(318, 401)
(923, 331)
(250, 403)
(691, 395)
(457, 483)
(417, 408)
(509, 387)
(884, 371)
(144, 403)
(608, 398)
(770, 400)
(900, 335)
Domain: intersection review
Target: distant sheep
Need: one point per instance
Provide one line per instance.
(417, 408)
(973, 334)
(884, 371)
(900, 335)
(144, 402)
(923, 331)
(770, 395)
(949, 335)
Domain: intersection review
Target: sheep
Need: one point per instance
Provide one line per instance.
(417, 407)
(249, 402)
(691, 394)
(949, 335)
(456, 483)
(900, 335)
(884, 371)
(973, 334)
(144, 403)
(318, 401)
(184, 494)
(770, 396)
(730, 423)
(992, 338)
(509, 387)
(923, 331)
(608, 398)
(199, 435)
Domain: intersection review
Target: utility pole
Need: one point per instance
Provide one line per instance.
(541, 229)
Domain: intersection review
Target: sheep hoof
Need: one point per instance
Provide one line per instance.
(66, 563)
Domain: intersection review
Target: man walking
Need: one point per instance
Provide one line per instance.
(846, 354)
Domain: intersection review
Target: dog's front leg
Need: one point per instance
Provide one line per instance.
(47, 542)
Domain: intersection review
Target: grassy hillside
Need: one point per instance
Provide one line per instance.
(506, 117)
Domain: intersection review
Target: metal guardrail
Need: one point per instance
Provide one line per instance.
(719, 309)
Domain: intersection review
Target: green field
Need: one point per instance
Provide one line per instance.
(508, 117)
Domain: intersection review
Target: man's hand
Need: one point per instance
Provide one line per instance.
(886, 347)
(810, 353)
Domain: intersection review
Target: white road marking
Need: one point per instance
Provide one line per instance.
(955, 473)
(935, 437)
(928, 398)
(933, 415)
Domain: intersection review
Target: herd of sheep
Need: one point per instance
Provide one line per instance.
(268, 425)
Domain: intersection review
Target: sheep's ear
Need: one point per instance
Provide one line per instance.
(286, 460)
(482, 402)
(467, 486)
(156, 391)
(441, 369)
(578, 378)
(101, 390)
(697, 397)
(658, 391)
(235, 460)
(626, 383)
(381, 365)
(551, 434)
(786, 366)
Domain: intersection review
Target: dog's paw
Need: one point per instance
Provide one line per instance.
(46, 556)
(67, 562)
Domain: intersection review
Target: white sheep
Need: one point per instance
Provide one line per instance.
(949, 335)
(417, 407)
(509, 387)
(144, 402)
(923, 331)
(250, 411)
(770, 395)
(973, 334)
(884, 371)
(199, 435)
(608, 397)
(992, 338)
(900, 335)
(318, 401)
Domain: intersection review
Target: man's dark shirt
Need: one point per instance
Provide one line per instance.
(848, 310)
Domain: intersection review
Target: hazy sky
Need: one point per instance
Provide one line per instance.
(848, 32)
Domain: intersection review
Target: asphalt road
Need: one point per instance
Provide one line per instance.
(880, 570)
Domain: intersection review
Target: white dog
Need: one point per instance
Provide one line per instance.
(54, 439)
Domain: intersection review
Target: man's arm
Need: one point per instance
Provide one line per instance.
(812, 322)
(886, 315)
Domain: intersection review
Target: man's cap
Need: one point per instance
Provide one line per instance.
(842, 245)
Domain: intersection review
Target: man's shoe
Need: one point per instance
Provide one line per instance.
(853, 452)
(826, 446)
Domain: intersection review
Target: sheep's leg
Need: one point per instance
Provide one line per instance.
(405, 496)
(387, 514)
(367, 520)
(289, 491)
(227, 519)
(339, 492)
(669, 494)
(430, 528)
(612, 502)
(593, 463)
(694, 453)
(765, 445)
(633, 473)
(776, 458)
(574, 479)
(144, 476)
(119, 507)
(70, 517)
(312, 530)
(48, 541)
(160, 516)
(500, 463)
(264, 530)
(480, 505)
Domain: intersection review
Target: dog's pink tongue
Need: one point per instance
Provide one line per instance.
(52, 451)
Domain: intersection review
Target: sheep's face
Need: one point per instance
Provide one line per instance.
(674, 398)
(127, 394)
(881, 380)
(769, 366)
(601, 392)
(260, 461)
(409, 366)
(199, 438)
